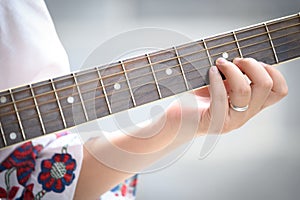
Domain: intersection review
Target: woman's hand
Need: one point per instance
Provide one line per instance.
(250, 86)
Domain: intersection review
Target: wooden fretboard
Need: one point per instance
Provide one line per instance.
(56, 104)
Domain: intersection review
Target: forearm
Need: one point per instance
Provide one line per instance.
(109, 161)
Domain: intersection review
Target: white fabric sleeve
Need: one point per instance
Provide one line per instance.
(29, 47)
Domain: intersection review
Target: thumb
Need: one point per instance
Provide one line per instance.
(217, 111)
(218, 101)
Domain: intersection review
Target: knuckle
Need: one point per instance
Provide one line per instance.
(243, 91)
(284, 91)
(228, 127)
(267, 84)
(236, 125)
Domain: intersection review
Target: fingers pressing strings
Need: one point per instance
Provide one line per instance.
(279, 89)
(239, 91)
(249, 87)
(219, 102)
(261, 82)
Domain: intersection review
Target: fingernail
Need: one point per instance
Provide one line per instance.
(214, 69)
(263, 64)
(237, 59)
(221, 61)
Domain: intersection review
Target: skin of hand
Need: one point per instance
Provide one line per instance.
(210, 114)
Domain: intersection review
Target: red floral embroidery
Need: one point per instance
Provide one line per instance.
(27, 193)
(10, 194)
(57, 172)
(23, 159)
(127, 188)
(124, 190)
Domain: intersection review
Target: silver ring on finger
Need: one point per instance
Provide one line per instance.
(237, 108)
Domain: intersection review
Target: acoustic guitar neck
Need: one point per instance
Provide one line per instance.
(63, 102)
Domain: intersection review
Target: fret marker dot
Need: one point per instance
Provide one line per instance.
(3, 99)
(225, 55)
(117, 86)
(12, 135)
(169, 71)
(70, 100)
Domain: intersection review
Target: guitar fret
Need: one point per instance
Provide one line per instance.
(181, 68)
(255, 43)
(18, 116)
(127, 80)
(116, 87)
(195, 64)
(58, 103)
(207, 52)
(2, 134)
(141, 80)
(38, 110)
(154, 76)
(286, 37)
(104, 92)
(271, 42)
(81, 99)
(237, 44)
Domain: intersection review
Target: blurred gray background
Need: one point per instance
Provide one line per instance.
(259, 161)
